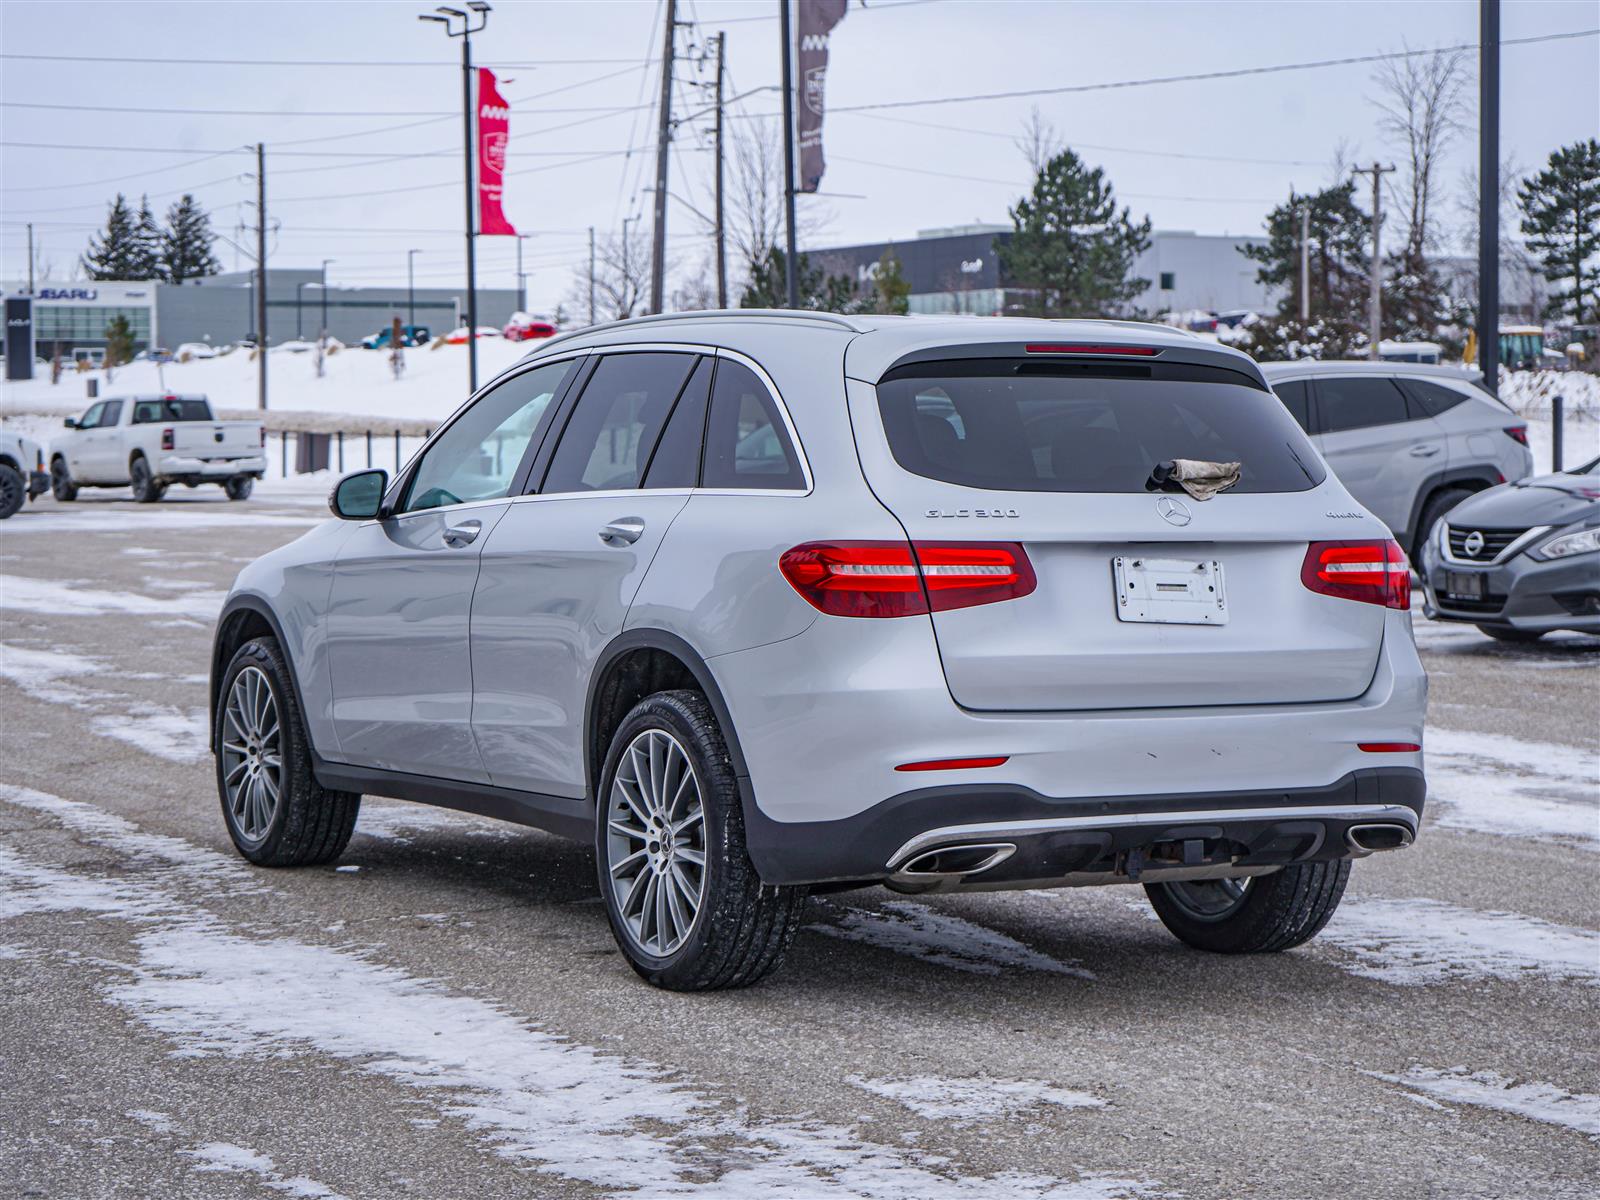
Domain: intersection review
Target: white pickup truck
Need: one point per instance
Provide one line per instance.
(152, 442)
(22, 475)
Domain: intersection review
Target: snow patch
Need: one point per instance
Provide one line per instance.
(1417, 942)
(966, 1101)
(395, 822)
(165, 732)
(62, 599)
(1492, 783)
(1488, 1089)
(239, 1160)
(913, 929)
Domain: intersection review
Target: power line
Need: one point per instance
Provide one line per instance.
(284, 112)
(306, 62)
(1198, 76)
(1011, 183)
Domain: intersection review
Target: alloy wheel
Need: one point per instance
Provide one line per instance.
(656, 842)
(1209, 899)
(252, 760)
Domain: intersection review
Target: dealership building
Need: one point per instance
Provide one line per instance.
(71, 318)
(956, 270)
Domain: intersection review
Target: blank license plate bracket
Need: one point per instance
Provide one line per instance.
(1170, 591)
(1464, 585)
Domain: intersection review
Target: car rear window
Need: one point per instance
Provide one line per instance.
(1026, 425)
(150, 412)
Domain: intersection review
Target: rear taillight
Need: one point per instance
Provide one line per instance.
(895, 579)
(1517, 433)
(1372, 572)
(167, 440)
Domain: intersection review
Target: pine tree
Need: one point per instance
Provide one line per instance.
(186, 243)
(119, 342)
(1071, 245)
(116, 252)
(149, 235)
(890, 288)
(818, 292)
(1561, 218)
(1339, 233)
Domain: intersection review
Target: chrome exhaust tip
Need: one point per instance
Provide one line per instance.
(1365, 839)
(951, 862)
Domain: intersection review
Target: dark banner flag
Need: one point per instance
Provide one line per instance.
(817, 19)
(494, 125)
(19, 337)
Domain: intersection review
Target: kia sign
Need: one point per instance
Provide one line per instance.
(494, 126)
(19, 337)
(817, 19)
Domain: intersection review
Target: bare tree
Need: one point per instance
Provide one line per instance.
(1039, 141)
(696, 290)
(1420, 99)
(621, 278)
(755, 202)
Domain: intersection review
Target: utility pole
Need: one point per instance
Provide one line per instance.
(261, 276)
(719, 184)
(722, 231)
(323, 336)
(658, 248)
(1305, 263)
(411, 286)
(791, 277)
(627, 269)
(1375, 297)
(522, 280)
(1489, 193)
(591, 275)
(448, 19)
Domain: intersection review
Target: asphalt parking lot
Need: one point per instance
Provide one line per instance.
(444, 1014)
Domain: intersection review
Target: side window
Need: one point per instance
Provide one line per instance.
(608, 438)
(477, 456)
(112, 413)
(91, 419)
(1295, 395)
(1353, 402)
(1431, 399)
(676, 461)
(746, 443)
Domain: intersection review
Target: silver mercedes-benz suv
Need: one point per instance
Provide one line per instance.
(762, 603)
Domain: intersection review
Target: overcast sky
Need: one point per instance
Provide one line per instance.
(581, 78)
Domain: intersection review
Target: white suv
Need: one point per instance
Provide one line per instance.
(758, 603)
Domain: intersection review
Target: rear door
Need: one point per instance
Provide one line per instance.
(1054, 457)
(401, 603)
(562, 567)
(1377, 446)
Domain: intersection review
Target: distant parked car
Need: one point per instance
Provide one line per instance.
(1410, 352)
(22, 473)
(192, 350)
(458, 337)
(1234, 316)
(524, 328)
(1520, 560)
(410, 335)
(1409, 441)
(152, 442)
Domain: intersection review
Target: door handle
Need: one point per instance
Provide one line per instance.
(1424, 451)
(624, 530)
(463, 534)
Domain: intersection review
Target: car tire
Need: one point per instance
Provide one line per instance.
(61, 485)
(13, 490)
(1269, 913)
(1438, 504)
(738, 929)
(304, 823)
(145, 488)
(238, 488)
(1505, 633)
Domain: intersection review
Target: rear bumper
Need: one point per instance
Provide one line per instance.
(1048, 839)
(179, 469)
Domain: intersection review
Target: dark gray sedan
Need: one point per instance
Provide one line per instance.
(1520, 560)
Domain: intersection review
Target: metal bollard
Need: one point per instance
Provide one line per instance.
(397, 449)
(341, 452)
(369, 449)
(1557, 406)
(283, 446)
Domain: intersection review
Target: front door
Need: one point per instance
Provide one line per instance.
(398, 648)
(563, 565)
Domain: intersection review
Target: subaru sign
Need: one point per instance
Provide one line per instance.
(19, 337)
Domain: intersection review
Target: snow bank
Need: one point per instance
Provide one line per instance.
(1530, 392)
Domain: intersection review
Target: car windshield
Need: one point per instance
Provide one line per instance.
(148, 412)
(1053, 426)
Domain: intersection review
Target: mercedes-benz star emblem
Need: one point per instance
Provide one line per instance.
(1174, 512)
(1474, 543)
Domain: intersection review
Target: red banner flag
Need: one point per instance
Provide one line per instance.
(494, 125)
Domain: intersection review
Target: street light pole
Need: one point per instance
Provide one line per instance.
(411, 286)
(722, 238)
(325, 263)
(1489, 193)
(448, 17)
(791, 282)
(522, 280)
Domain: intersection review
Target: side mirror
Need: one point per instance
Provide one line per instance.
(359, 497)
(71, 422)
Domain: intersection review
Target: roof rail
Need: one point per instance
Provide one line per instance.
(1188, 333)
(832, 320)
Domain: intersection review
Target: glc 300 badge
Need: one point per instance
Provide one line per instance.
(970, 512)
